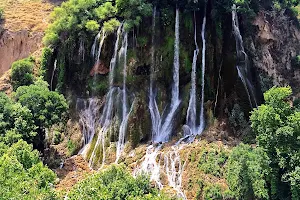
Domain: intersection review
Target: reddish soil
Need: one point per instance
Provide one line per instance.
(74, 170)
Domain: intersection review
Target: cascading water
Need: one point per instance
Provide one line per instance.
(53, 72)
(106, 117)
(202, 118)
(94, 51)
(154, 111)
(174, 169)
(191, 128)
(125, 114)
(88, 110)
(150, 166)
(243, 64)
(166, 126)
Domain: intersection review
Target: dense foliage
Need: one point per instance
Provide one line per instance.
(16, 121)
(80, 18)
(115, 183)
(247, 169)
(22, 73)
(277, 126)
(22, 174)
(47, 107)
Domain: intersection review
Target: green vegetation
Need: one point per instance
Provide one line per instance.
(22, 73)
(47, 107)
(212, 160)
(46, 61)
(115, 183)
(276, 125)
(246, 171)
(1, 14)
(16, 121)
(75, 17)
(22, 174)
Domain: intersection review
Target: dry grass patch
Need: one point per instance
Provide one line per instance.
(32, 15)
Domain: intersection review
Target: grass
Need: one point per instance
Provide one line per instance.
(31, 15)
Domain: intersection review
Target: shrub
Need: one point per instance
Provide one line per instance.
(46, 60)
(212, 192)
(22, 73)
(115, 183)
(47, 107)
(92, 26)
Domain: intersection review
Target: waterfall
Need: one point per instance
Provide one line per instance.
(125, 114)
(202, 117)
(243, 63)
(154, 112)
(174, 169)
(191, 112)
(106, 117)
(88, 110)
(150, 166)
(167, 126)
(94, 50)
(53, 72)
(172, 166)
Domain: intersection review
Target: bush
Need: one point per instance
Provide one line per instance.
(115, 183)
(46, 61)
(22, 73)
(212, 192)
(296, 62)
(92, 26)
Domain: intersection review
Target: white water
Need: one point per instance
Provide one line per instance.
(166, 126)
(107, 114)
(154, 111)
(125, 114)
(150, 166)
(94, 51)
(53, 72)
(243, 66)
(174, 169)
(202, 117)
(81, 51)
(191, 112)
(87, 119)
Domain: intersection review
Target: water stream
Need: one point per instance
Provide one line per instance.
(242, 57)
(166, 125)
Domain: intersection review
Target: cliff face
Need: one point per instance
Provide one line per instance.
(17, 45)
(273, 46)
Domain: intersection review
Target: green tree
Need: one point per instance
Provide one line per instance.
(277, 128)
(47, 107)
(22, 174)
(16, 121)
(21, 73)
(246, 172)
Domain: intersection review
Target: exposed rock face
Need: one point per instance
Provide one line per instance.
(17, 45)
(99, 68)
(277, 41)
